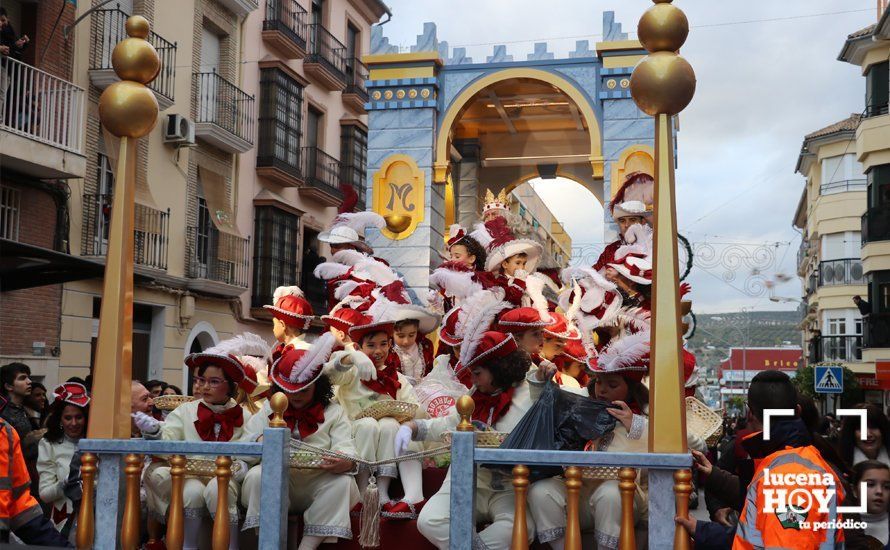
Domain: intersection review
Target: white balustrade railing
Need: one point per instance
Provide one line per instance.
(41, 106)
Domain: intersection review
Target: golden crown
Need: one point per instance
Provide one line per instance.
(492, 202)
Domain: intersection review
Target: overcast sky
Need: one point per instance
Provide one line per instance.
(762, 85)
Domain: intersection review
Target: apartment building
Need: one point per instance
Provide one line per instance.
(547, 229)
(829, 218)
(869, 49)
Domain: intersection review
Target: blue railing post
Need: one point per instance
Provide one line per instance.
(274, 483)
(109, 504)
(463, 490)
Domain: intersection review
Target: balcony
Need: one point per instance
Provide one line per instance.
(876, 109)
(841, 272)
(843, 186)
(284, 28)
(218, 262)
(41, 124)
(840, 348)
(877, 330)
(356, 95)
(803, 257)
(321, 173)
(876, 224)
(326, 62)
(225, 113)
(151, 231)
(240, 7)
(109, 28)
(811, 285)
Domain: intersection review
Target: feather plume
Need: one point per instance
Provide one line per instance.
(454, 230)
(315, 356)
(283, 291)
(346, 288)
(481, 235)
(585, 324)
(376, 271)
(330, 270)
(349, 257)
(625, 351)
(359, 221)
(577, 273)
(534, 287)
(479, 313)
(574, 307)
(456, 284)
(382, 308)
(592, 296)
(247, 343)
(350, 198)
(638, 248)
(636, 318)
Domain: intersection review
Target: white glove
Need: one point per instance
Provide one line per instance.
(403, 439)
(239, 470)
(146, 424)
(520, 274)
(364, 367)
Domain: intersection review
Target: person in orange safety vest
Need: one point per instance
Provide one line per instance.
(793, 498)
(20, 512)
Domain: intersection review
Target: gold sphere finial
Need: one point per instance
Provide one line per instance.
(137, 27)
(128, 109)
(663, 28)
(278, 402)
(397, 222)
(135, 59)
(662, 83)
(465, 408)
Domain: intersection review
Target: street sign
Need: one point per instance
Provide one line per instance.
(829, 379)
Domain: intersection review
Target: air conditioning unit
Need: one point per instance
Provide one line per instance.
(179, 130)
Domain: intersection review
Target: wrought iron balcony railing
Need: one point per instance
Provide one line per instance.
(356, 75)
(217, 256)
(225, 106)
(843, 186)
(289, 18)
(151, 231)
(42, 107)
(327, 51)
(840, 348)
(110, 29)
(321, 171)
(841, 272)
(876, 330)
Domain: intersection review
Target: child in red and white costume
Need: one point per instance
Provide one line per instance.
(631, 205)
(214, 417)
(363, 378)
(502, 396)
(324, 496)
(509, 261)
(291, 316)
(412, 351)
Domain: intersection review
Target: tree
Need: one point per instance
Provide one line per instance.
(805, 383)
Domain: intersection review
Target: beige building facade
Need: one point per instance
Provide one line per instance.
(546, 228)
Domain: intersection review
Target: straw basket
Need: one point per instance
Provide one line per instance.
(304, 460)
(485, 439)
(600, 472)
(402, 411)
(170, 402)
(703, 422)
(203, 468)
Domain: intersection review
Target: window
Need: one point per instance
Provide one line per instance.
(280, 121)
(354, 157)
(352, 45)
(9, 213)
(839, 246)
(877, 85)
(879, 186)
(275, 253)
(842, 173)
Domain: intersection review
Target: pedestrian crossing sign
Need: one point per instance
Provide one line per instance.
(829, 379)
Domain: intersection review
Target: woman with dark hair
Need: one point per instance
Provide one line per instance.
(502, 396)
(37, 405)
(171, 390)
(58, 462)
(464, 249)
(322, 495)
(876, 477)
(855, 446)
(214, 417)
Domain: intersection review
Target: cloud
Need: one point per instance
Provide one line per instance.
(761, 87)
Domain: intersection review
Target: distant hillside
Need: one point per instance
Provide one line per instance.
(716, 332)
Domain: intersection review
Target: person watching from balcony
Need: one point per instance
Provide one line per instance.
(10, 47)
(863, 306)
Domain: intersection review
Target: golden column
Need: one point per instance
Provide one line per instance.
(128, 110)
(662, 85)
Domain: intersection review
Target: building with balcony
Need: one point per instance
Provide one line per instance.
(828, 217)
(312, 137)
(42, 112)
(543, 225)
(192, 258)
(869, 49)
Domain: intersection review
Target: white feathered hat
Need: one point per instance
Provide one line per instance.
(297, 369)
(348, 227)
(500, 243)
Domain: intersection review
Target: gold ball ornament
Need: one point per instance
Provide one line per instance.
(397, 223)
(135, 59)
(663, 28)
(137, 26)
(662, 83)
(128, 109)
